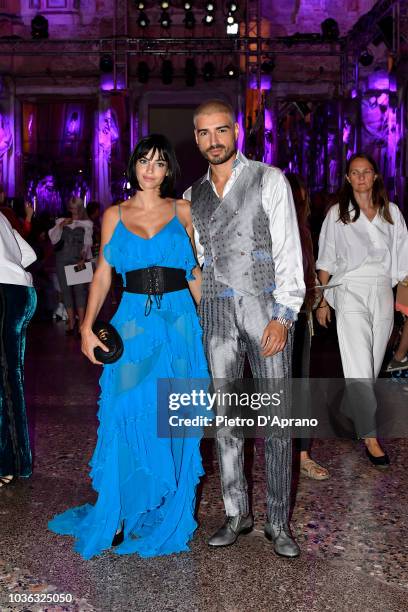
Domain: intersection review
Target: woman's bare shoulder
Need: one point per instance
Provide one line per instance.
(111, 215)
(184, 207)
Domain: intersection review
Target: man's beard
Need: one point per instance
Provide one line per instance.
(228, 153)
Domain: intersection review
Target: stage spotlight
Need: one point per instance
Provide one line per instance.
(366, 58)
(167, 72)
(39, 27)
(143, 72)
(106, 63)
(208, 71)
(189, 20)
(164, 5)
(330, 29)
(187, 6)
(191, 72)
(141, 5)
(209, 16)
(232, 7)
(143, 21)
(232, 28)
(165, 20)
(232, 71)
(268, 66)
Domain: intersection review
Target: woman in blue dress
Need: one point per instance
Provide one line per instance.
(145, 483)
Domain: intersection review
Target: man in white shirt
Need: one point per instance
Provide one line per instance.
(247, 240)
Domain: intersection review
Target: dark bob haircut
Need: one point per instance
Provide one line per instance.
(151, 144)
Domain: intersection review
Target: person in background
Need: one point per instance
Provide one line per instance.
(93, 210)
(23, 222)
(17, 306)
(43, 269)
(72, 240)
(304, 324)
(400, 358)
(363, 245)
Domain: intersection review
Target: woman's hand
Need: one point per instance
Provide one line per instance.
(29, 212)
(323, 313)
(88, 343)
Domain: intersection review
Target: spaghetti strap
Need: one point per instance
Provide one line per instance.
(120, 213)
(175, 207)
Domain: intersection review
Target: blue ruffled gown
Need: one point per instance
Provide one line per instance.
(147, 481)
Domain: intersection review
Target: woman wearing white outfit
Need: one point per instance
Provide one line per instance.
(363, 245)
(17, 305)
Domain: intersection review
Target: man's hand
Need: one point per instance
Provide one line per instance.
(273, 339)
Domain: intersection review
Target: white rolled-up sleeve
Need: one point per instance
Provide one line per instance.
(327, 259)
(199, 247)
(277, 202)
(55, 232)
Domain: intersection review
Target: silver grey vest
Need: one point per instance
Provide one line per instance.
(235, 235)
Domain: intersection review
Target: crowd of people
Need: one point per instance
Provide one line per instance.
(70, 239)
(227, 271)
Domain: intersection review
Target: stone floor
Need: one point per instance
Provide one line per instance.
(352, 528)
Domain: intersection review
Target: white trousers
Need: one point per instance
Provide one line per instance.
(365, 316)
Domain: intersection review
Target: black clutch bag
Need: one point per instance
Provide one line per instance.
(110, 337)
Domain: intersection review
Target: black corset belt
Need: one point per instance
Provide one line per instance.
(155, 281)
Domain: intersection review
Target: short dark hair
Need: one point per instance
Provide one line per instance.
(214, 106)
(155, 142)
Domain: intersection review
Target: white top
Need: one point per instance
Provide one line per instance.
(55, 233)
(345, 248)
(15, 255)
(277, 202)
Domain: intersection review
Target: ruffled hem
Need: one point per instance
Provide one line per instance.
(165, 526)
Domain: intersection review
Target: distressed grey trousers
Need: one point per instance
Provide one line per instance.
(233, 327)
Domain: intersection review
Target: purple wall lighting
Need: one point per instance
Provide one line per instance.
(266, 82)
(6, 153)
(268, 137)
(241, 134)
(382, 81)
(108, 83)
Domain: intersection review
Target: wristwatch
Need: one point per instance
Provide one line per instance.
(285, 322)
